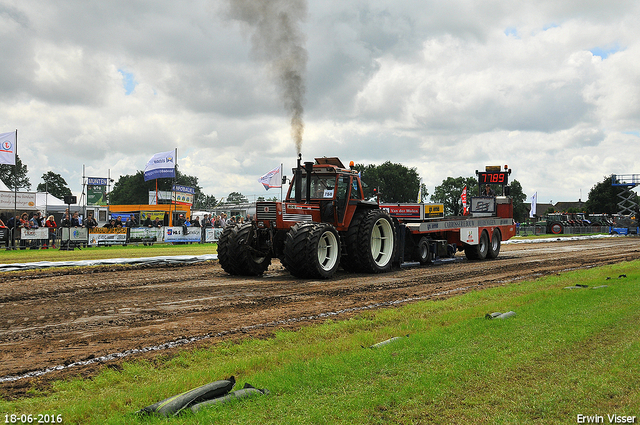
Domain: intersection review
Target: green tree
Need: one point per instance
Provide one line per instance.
(205, 202)
(519, 208)
(55, 184)
(396, 183)
(11, 175)
(132, 189)
(449, 193)
(236, 198)
(603, 198)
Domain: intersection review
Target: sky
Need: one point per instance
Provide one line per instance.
(549, 88)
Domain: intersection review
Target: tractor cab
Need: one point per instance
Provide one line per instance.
(326, 186)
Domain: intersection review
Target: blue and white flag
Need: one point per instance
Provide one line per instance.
(271, 179)
(8, 148)
(161, 165)
(534, 206)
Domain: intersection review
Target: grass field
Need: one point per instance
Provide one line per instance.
(567, 352)
(95, 253)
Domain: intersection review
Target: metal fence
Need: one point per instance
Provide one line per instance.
(42, 238)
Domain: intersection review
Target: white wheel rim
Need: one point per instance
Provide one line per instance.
(382, 242)
(327, 251)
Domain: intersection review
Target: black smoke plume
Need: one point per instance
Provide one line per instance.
(278, 41)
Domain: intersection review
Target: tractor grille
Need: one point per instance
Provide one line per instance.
(266, 211)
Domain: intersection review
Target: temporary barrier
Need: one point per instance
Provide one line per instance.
(178, 234)
(105, 236)
(212, 234)
(145, 234)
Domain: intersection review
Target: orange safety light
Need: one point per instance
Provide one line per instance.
(351, 164)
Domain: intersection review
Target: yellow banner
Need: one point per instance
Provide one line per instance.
(115, 230)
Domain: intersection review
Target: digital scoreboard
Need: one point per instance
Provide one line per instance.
(493, 177)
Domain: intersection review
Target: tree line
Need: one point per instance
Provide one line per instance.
(392, 182)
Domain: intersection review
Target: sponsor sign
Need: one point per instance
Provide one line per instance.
(469, 235)
(433, 210)
(77, 234)
(145, 234)
(106, 236)
(175, 234)
(23, 200)
(184, 189)
(31, 234)
(482, 204)
(152, 215)
(96, 181)
(212, 234)
(97, 195)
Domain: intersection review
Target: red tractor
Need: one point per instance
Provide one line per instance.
(324, 211)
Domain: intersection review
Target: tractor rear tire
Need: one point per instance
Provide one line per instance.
(371, 242)
(250, 260)
(494, 245)
(225, 257)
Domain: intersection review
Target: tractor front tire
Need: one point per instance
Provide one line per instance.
(251, 261)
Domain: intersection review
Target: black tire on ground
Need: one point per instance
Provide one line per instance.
(349, 260)
(323, 251)
(374, 245)
(478, 252)
(494, 245)
(295, 249)
(421, 251)
(225, 256)
(250, 261)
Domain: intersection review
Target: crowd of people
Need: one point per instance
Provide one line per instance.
(36, 220)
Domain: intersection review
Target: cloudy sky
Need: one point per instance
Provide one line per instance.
(551, 88)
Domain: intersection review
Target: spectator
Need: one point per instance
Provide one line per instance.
(156, 223)
(90, 222)
(75, 220)
(111, 224)
(196, 222)
(148, 222)
(51, 224)
(66, 221)
(118, 222)
(488, 191)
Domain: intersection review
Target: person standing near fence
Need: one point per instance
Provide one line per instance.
(52, 226)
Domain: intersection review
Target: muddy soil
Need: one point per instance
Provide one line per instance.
(51, 319)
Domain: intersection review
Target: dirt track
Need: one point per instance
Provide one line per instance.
(49, 319)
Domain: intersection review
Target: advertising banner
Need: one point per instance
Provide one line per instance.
(78, 234)
(97, 195)
(23, 200)
(175, 234)
(183, 194)
(212, 234)
(145, 234)
(152, 215)
(105, 236)
(31, 234)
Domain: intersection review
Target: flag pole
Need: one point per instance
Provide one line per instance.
(15, 191)
(281, 182)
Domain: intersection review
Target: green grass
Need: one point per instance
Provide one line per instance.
(566, 352)
(96, 253)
